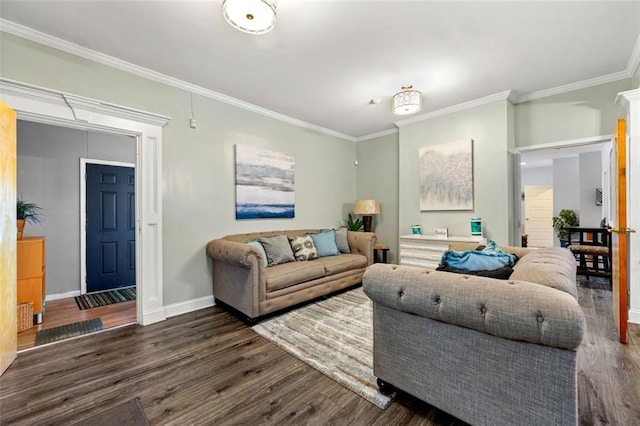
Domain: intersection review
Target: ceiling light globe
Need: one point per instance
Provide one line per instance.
(250, 16)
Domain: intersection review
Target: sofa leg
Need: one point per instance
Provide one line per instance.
(385, 387)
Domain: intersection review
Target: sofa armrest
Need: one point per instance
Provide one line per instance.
(234, 253)
(362, 243)
(516, 310)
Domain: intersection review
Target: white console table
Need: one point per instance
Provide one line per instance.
(426, 251)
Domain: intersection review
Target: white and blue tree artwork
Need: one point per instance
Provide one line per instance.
(446, 176)
(265, 184)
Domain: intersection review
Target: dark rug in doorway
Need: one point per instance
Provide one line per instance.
(103, 298)
(54, 334)
(128, 413)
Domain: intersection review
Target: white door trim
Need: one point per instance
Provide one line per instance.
(33, 103)
(83, 213)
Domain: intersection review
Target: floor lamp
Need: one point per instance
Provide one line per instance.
(367, 208)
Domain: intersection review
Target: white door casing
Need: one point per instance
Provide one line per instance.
(33, 103)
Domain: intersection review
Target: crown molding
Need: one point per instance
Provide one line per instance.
(506, 95)
(92, 55)
(634, 60)
(616, 76)
(377, 135)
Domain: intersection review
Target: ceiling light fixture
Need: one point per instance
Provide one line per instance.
(250, 16)
(407, 101)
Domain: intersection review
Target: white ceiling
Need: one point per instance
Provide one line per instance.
(326, 60)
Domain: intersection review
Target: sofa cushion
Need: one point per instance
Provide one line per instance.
(345, 262)
(549, 267)
(258, 245)
(303, 248)
(341, 240)
(288, 274)
(278, 249)
(325, 242)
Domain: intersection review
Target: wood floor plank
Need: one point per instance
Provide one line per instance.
(207, 367)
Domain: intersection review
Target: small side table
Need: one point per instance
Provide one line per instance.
(384, 248)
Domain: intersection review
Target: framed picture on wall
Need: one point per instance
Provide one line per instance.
(446, 176)
(265, 183)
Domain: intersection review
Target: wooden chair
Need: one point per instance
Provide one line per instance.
(592, 250)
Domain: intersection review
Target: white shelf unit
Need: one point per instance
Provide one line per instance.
(425, 251)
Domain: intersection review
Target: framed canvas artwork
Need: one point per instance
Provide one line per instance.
(265, 183)
(446, 176)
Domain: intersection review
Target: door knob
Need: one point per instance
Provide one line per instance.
(619, 230)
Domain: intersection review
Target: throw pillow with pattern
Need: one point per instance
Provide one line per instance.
(303, 248)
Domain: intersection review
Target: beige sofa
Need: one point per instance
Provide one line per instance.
(241, 281)
(488, 351)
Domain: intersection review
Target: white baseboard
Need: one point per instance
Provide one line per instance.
(634, 316)
(188, 306)
(154, 316)
(62, 295)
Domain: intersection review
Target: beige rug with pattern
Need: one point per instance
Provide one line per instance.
(334, 336)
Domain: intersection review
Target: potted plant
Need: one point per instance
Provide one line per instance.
(565, 219)
(27, 212)
(354, 224)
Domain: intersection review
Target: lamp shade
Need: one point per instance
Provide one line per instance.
(367, 207)
(407, 101)
(250, 16)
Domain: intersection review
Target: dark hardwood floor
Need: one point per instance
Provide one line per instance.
(207, 367)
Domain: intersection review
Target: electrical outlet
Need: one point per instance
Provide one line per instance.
(192, 123)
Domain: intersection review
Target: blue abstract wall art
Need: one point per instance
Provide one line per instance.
(265, 184)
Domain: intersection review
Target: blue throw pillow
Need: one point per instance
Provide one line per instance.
(325, 243)
(258, 245)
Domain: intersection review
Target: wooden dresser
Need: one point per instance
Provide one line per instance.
(425, 251)
(31, 278)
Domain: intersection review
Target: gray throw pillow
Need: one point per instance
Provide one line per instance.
(341, 240)
(278, 249)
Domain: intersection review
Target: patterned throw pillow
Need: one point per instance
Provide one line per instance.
(303, 248)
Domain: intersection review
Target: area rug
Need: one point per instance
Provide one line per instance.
(93, 300)
(54, 334)
(128, 413)
(334, 336)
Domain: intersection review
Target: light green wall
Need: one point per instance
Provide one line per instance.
(636, 79)
(377, 178)
(487, 126)
(198, 165)
(572, 115)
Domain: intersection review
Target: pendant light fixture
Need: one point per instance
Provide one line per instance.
(407, 101)
(250, 16)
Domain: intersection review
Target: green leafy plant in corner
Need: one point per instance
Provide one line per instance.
(30, 212)
(354, 224)
(564, 219)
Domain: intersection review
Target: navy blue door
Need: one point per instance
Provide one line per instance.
(111, 242)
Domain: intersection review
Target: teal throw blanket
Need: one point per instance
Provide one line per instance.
(488, 259)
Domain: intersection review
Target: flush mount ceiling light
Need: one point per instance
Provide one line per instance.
(250, 16)
(407, 101)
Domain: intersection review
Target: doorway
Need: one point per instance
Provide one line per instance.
(50, 106)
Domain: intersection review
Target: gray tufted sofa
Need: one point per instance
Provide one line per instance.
(490, 352)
